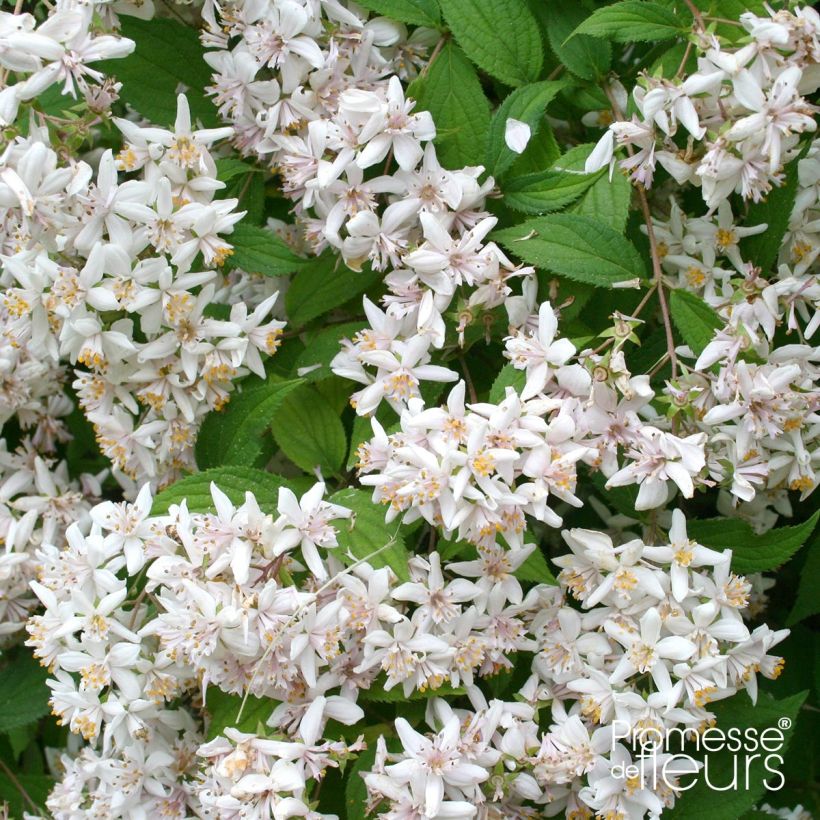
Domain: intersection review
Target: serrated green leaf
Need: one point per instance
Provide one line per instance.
(752, 552)
(575, 246)
(167, 55)
(233, 435)
(452, 93)
(536, 569)
(696, 321)
(607, 200)
(807, 602)
(234, 481)
(508, 376)
(309, 432)
(541, 151)
(698, 802)
(321, 285)
(258, 250)
(548, 191)
(321, 349)
(23, 692)
(632, 21)
(526, 104)
(368, 532)
(229, 167)
(775, 210)
(418, 12)
(223, 709)
(586, 57)
(499, 37)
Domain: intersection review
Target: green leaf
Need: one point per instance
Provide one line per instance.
(355, 790)
(36, 786)
(378, 694)
(696, 321)
(541, 151)
(548, 191)
(233, 435)
(23, 692)
(452, 93)
(322, 348)
(368, 532)
(234, 481)
(574, 246)
(807, 602)
(258, 250)
(752, 552)
(223, 709)
(229, 167)
(633, 21)
(167, 55)
(321, 286)
(607, 200)
(699, 802)
(536, 569)
(775, 211)
(309, 432)
(418, 12)
(584, 56)
(507, 377)
(526, 104)
(500, 37)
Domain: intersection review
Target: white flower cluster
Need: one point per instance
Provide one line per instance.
(743, 111)
(143, 614)
(97, 272)
(62, 49)
(334, 112)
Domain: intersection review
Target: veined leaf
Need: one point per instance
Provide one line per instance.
(321, 349)
(234, 435)
(224, 707)
(807, 602)
(309, 432)
(632, 21)
(234, 481)
(536, 569)
(23, 692)
(368, 533)
(452, 93)
(775, 211)
(752, 552)
(508, 376)
(574, 246)
(526, 104)
(167, 55)
(548, 191)
(607, 200)
(418, 12)
(696, 321)
(258, 250)
(320, 286)
(586, 57)
(500, 37)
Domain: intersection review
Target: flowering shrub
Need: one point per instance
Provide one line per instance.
(406, 406)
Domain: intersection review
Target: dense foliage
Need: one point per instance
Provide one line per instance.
(409, 408)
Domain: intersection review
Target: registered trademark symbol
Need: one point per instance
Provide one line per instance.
(785, 723)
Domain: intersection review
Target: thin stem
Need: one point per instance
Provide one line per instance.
(7, 771)
(685, 57)
(696, 14)
(557, 71)
(642, 304)
(468, 379)
(436, 51)
(657, 270)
